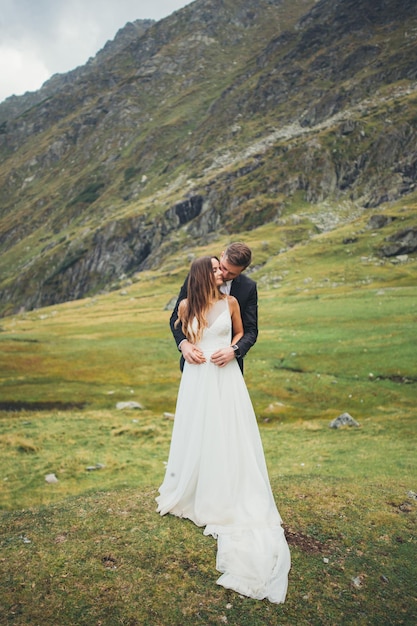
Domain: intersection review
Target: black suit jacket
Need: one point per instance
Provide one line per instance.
(245, 291)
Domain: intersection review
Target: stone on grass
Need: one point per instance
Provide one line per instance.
(128, 405)
(97, 466)
(358, 581)
(343, 420)
(51, 478)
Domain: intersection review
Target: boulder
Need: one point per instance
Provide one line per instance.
(343, 420)
(402, 242)
(128, 405)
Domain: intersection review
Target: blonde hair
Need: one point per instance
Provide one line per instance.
(202, 292)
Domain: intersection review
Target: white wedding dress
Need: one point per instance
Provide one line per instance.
(216, 473)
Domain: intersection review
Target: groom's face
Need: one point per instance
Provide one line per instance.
(228, 270)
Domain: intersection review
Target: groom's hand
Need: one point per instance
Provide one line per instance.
(191, 353)
(223, 357)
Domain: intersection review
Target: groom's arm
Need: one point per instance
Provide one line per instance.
(177, 330)
(249, 312)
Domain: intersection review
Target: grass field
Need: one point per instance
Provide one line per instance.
(337, 335)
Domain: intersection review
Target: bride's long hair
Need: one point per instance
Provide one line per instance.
(202, 292)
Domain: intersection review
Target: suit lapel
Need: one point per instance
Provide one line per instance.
(235, 287)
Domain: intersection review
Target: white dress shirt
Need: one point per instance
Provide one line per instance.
(225, 288)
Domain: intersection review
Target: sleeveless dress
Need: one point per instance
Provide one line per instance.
(216, 473)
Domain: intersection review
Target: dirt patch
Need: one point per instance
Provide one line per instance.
(304, 542)
(41, 406)
(401, 380)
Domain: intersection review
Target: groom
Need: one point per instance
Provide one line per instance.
(233, 261)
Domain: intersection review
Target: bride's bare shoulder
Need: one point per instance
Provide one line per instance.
(182, 305)
(232, 301)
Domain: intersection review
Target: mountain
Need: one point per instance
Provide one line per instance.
(14, 106)
(224, 116)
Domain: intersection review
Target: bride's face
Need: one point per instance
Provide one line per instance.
(218, 276)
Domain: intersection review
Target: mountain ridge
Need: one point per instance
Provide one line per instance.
(13, 106)
(180, 138)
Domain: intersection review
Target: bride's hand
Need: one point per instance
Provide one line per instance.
(223, 357)
(191, 353)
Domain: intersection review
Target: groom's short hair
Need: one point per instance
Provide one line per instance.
(238, 254)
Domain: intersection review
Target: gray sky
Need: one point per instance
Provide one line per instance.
(39, 38)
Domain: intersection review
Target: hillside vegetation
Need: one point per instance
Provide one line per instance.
(220, 118)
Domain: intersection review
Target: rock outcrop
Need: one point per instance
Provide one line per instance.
(208, 122)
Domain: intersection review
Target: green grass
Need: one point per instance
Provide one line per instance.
(127, 448)
(337, 334)
(106, 556)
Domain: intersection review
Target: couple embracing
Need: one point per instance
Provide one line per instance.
(216, 473)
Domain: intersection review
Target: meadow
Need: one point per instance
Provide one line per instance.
(337, 334)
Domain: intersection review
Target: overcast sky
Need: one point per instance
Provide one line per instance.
(39, 38)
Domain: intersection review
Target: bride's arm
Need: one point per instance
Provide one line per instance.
(223, 356)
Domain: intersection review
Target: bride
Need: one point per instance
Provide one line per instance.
(216, 473)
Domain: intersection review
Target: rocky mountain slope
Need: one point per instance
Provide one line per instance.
(224, 116)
